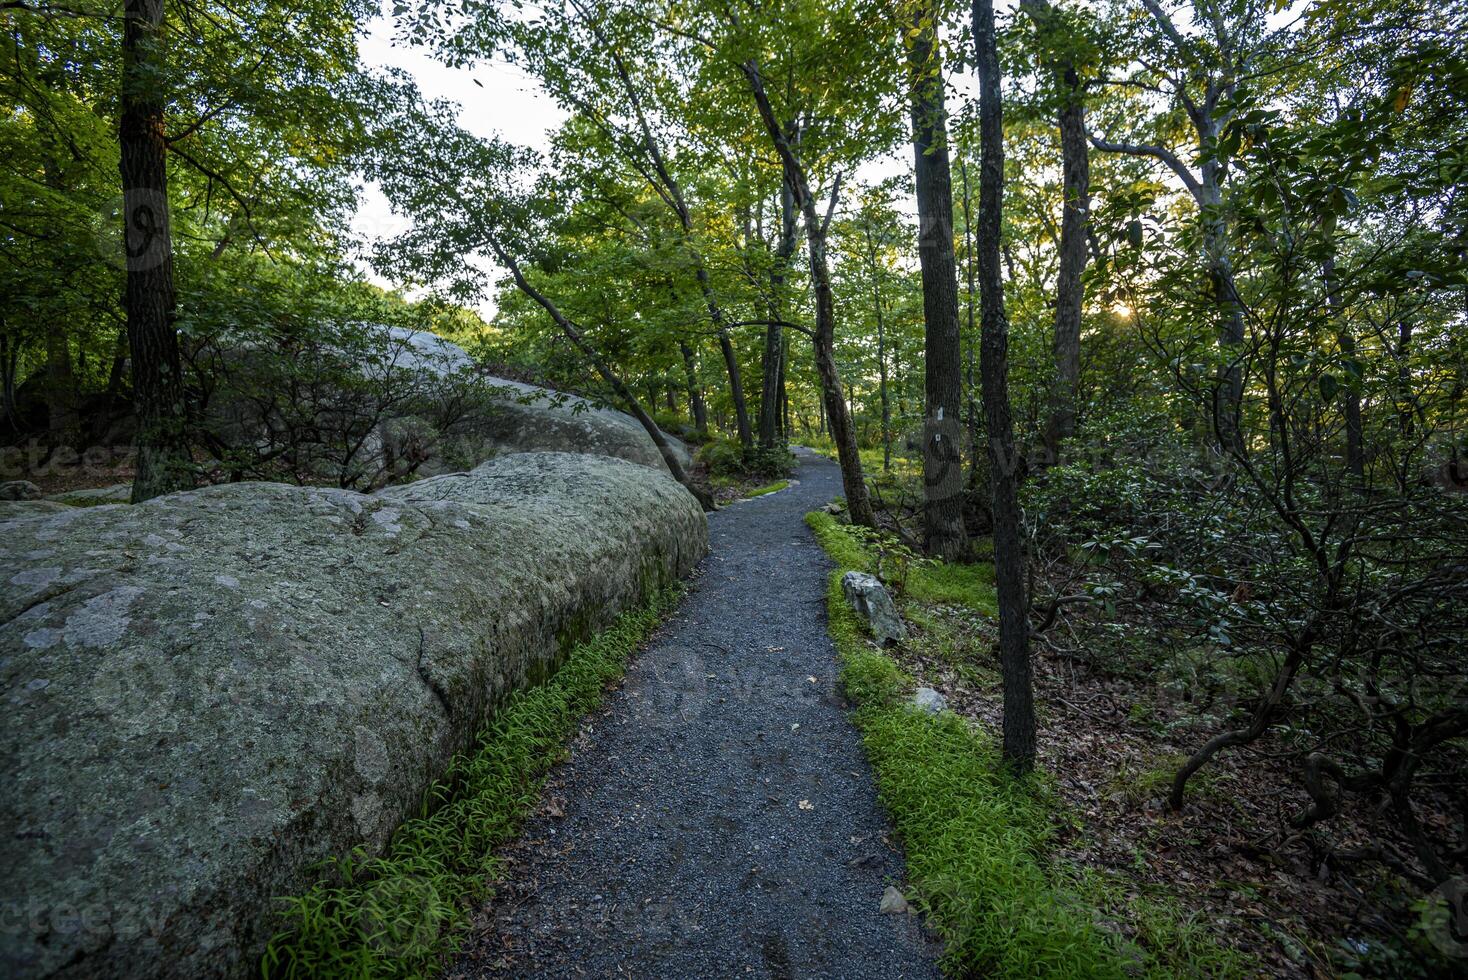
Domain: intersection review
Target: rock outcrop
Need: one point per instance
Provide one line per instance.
(524, 418)
(208, 693)
(871, 601)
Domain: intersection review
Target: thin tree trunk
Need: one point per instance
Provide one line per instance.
(943, 530)
(1351, 390)
(736, 379)
(163, 462)
(695, 391)
(774, 368)
(103, 419)
(784, 389)
(604, 369)
(1014, 640)
(843, 433)
(970, 382)
(9, 364)
(61, 411)
(1076, 194)
(873, 271)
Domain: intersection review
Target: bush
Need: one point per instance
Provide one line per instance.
(726, 458)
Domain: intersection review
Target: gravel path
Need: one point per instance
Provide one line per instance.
(717, 818)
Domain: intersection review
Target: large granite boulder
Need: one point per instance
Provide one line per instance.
(208, 693)
(526, 418)
(386, 402)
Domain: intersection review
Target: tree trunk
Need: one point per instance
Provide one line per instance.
(842, 432)
(872, 269)
(1076, 192)
(1014, 627)
(736, 379)
(774, 368)
(784, 390)
(695, 391)
(163, 461)
(61, 412)
(1228, 401)
(103, 420)
(604, 369)
(970, 382)
(9, 364)
(1351, 390)
(943, 530)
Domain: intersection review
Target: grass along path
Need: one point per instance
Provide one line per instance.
(400, 914)
(976, 839)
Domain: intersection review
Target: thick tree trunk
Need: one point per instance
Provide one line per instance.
(1076, 192)
(163, 461)
(695, 391)
(774, 367)
(858, 503)
(1014, 627)
(943, 530)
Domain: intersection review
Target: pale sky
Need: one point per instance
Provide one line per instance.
(511, 105)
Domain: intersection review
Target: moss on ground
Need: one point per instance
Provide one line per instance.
(399, 914)
(976, 839)
(775, 487)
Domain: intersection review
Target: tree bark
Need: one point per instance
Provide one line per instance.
(63, 423)
(1350, 391)
(943, 530)
(1014, 628)
(736, 379)
(858, 503)
(881, 352)
(970, 381)
(695, 390)
(1076, 192)
(9, 364)
(774, 368)
(163, 461)
(604, 369)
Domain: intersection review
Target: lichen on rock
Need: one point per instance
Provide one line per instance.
(208, 693)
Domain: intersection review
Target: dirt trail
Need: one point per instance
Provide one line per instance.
(717, 819)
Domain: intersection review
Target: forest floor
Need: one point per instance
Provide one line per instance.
(1111, 741)
(717, 817)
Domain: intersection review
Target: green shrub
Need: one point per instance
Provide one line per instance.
(726, 458)
(976, 839)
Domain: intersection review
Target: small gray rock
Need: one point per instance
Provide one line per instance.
(893, 903)
(120, 493)
(871, 601)
(929, 700)
(19, 490)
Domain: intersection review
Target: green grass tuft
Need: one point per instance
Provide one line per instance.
(775, 487)
(399, 914)
(976, 839)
